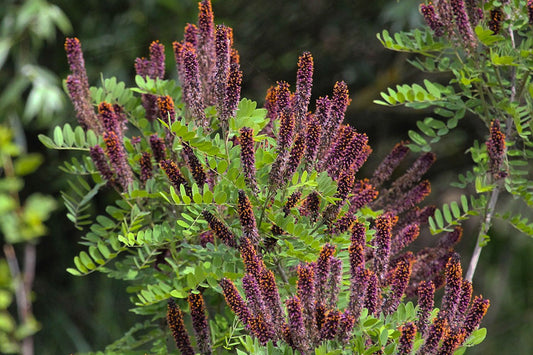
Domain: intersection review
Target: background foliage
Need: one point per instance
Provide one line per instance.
(341, 36)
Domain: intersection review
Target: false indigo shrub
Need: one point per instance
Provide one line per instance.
(213, 193)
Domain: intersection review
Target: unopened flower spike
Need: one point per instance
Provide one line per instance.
(387, 166)
(404, 237)
(312, 140)
(363, 194)
(206, 51)
(306, 292)
(334, 282)
(177, 327)
(199, 322)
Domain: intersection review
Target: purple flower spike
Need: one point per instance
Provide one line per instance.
(146, 167)
(269, 290)
(451, 341)
(166, 108)
(382, 243)
(81, 99)
(312, 140)
(157, 59)
(464, 301)
(296, 324)
(358, 287)
(220, 230)
(253, 264)
(412, 197)
(452, 290)
(331, 325)
(248, 157)
(530, 11)
(477, 311)
(109, 119)
(174, 175)
(304, 83)
(118, 158)
(340, 101)
(247, 218)
(334, 282)
(426, 293)
(190, 79)
(372, 295)
(100, 162)
(496, 148)
(233, 90)
(158, 147)
(387, 166)
(295, 157)
(190, 34)
(199, 322)
(405, 237)
(463, 24)
(323, 266)
(435, 334)
(196, 168)
(283, 98)
(400, 280)
(253, 295)
(405, 343)
(311, 206)
(234, 301)
(177, 327)
(222, 47)
(75, 59)
(346, 324)
(364, 193)
(428, 11)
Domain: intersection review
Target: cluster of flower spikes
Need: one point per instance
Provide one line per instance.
(454, 19)
(312, 316)
(200, 325)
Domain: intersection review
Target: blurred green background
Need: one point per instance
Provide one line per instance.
(85, 314)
